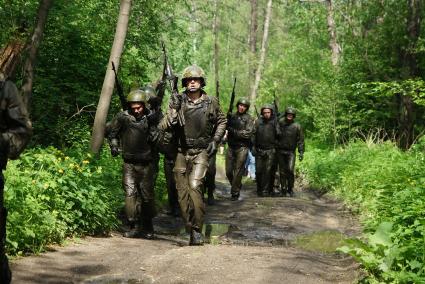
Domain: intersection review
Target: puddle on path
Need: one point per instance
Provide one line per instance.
(323, 241)
(211, 231)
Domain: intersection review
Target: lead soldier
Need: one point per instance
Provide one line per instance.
(198, 124)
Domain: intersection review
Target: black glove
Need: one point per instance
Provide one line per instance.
(212, 148)
(115, 151)
(301, 157)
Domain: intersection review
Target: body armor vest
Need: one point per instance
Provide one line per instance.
(265, 135)
(238, 122)
(288, 135)
(135, 141)
(199, 123)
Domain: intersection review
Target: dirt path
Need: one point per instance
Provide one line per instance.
(254, 240)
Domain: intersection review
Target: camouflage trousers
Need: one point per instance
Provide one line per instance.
(138, 184)
(265, 170)
(286, 160)
(235, 167)
(189, 172)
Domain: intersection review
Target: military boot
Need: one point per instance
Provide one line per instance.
(196, 238)
(147, 229)
(134, 232)
(210, 200)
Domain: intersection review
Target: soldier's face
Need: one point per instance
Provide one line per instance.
(289, 117)
(242, 108)
(267, 113)
(137, 109)
(193, 84)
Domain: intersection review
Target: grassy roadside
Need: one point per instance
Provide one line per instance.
(386, 187)
(52, 195)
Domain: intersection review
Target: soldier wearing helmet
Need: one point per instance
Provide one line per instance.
(197, 140)
(132, 130)
(240, 126)
(290, 136)
(264, 150)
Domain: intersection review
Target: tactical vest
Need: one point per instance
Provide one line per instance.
(238, 122)
(199, 123)
(265, 135)
(134, 139)
(288, 135)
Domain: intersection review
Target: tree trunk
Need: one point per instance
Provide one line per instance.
(253, 42)
(333, 43)
(263, 52)
(109, 81)
(216, 47)
(9, 57)
(43, 11)
(410, 70)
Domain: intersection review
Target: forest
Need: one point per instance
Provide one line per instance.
(354, 70)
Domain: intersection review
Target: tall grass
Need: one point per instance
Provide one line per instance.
(386, 187)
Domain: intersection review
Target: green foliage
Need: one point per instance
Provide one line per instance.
(52, 194)
(385, 187)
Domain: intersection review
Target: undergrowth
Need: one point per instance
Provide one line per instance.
(52, 195)
(386, 187)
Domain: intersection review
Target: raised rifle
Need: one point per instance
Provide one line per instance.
(217, 90)
(256, 111)
(172, 79)
(120, 90)
(232, 98)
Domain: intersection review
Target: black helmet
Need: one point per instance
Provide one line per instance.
(243, 101)
(290, 110)
(193, 71)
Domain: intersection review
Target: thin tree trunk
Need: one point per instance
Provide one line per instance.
(109, 81)
(263, 52)
(253, 42)
(411, 70)
(333, 43)
(43, 11)
(216, 47)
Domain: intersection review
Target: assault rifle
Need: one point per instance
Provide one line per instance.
(232, 98)
(217, 92)
(120, 91)
(256, 111)
(172, 79)
(275, 104)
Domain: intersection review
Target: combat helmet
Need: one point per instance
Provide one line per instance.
(193, 71)
(290, 110)
(152, 97)
(137, 96)
(267, 106)
(243, 101)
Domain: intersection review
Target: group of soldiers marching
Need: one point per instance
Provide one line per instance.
(188, 135)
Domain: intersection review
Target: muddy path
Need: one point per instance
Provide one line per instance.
(253, 240)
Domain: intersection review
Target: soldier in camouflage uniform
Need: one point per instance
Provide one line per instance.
(15, 132)
(137, 136)
(239, 130)
(290, 137)
(198, 124)
(264, 150)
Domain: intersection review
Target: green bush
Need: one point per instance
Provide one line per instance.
(386, 187)
(53, 194)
